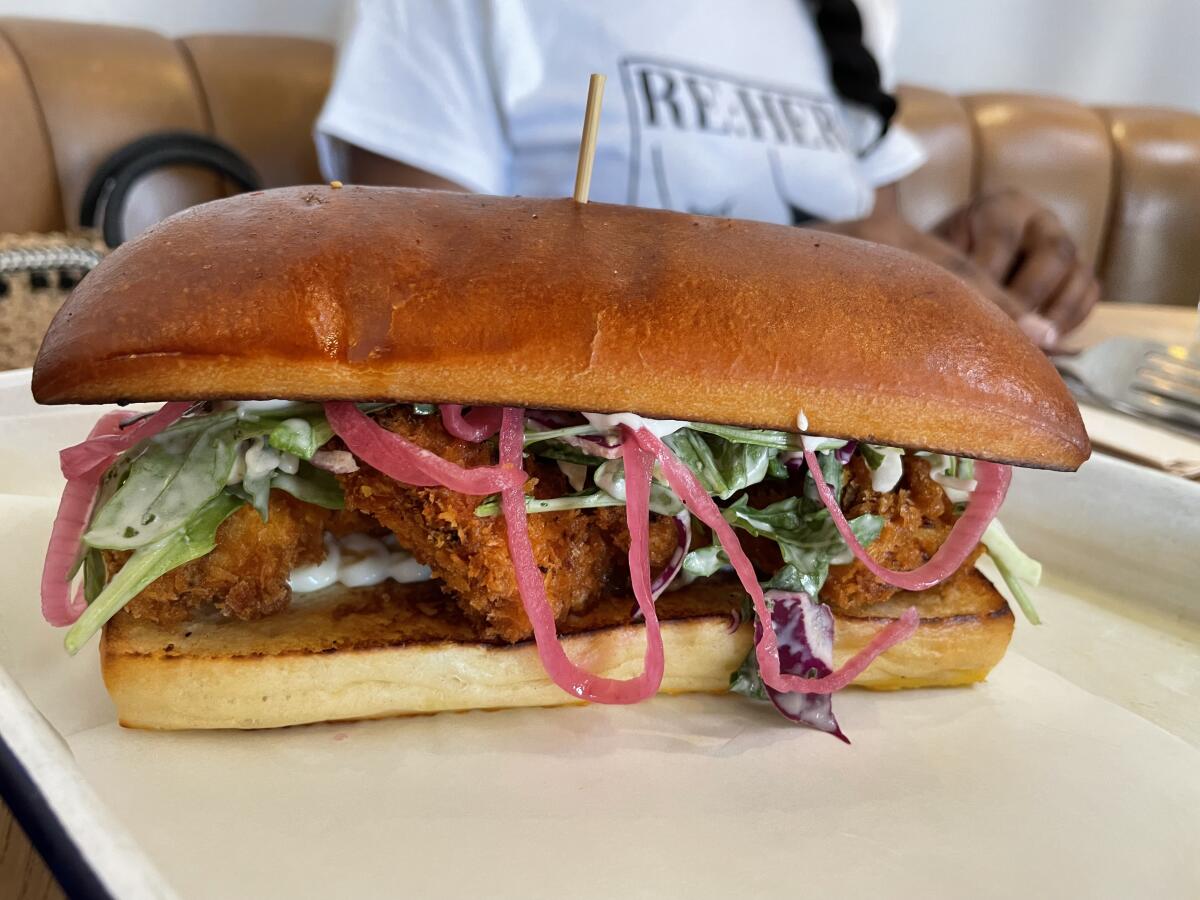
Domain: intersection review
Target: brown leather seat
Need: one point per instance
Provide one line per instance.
(1126, 182)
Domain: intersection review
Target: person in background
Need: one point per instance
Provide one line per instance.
(777, 110)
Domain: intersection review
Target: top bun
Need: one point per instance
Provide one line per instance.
(356, 293)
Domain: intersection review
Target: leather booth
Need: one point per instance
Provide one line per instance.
(1126, 181)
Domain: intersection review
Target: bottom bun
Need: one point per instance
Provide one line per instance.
(402, 650)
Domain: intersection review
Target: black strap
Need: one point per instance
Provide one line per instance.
(109, 188)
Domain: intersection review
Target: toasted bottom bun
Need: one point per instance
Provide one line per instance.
(402, 650)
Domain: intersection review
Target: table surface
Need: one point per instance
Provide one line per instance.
(23, 875)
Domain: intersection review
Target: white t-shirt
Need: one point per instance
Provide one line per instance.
(713, 106)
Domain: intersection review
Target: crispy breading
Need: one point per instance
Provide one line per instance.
(246, 575)
(918, 518)
(582, 553)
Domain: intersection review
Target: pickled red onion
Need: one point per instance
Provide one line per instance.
(404, 461)
(477, 425)
(102, 449)
(554, 659)
(993, 481)
(74, 509)
(696, 498)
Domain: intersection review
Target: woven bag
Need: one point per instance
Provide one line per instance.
(37, 272)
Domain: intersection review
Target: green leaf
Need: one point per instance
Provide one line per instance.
(194, 539)
(776, 468)
(693, 451)
(831, 471)
(808, 539)
(723, 467)
(174, 476)
(1018, 591)
(706, 561)
(312, 485)
(747, 680)
(301, 437)
(1015, 567)
(565, 452)
(592, 500)
(533, 437)
(94, 575)
(779, 440)
(872, 456)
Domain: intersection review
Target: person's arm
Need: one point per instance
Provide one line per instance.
(1013, 250)
(365, 167)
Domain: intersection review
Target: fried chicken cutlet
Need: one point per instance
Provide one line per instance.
(917, 516)
(246, 574)
(582, 553)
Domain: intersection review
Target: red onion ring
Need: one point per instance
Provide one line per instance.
(102, 449)
(84, 465)
(993, 481)
(478, 425)
(558, 666)
(404, 461)
(689, 489)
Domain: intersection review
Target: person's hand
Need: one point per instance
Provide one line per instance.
(1022, 246)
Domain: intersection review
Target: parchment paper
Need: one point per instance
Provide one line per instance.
(1036, 782)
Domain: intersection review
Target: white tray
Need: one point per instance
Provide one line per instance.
(1075, 771)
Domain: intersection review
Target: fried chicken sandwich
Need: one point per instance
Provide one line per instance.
(423, 451)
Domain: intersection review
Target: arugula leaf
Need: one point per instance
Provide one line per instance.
(174, 476)
(94, 574)
(780, 440)
(1015, 566)
(723, 467)
(566, 453)
(831, 471)
(706, 561)
(534, 437)
(196, 537)
(776, 468)
(311, 485)
(592, 500)
(808, 540)
(301, 437)
(747, 679)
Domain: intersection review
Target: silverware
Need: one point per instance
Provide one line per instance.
(1144, 378)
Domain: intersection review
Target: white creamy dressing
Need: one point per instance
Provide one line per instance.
(610, 478)
(358, 560)
(887, 476)
(249, 407)
(257, 459)
(957, 489)
(609, 423)
(815, 442)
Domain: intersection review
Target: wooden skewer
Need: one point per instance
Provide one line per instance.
(587, 144)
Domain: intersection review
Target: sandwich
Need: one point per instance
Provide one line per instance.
(415, 451)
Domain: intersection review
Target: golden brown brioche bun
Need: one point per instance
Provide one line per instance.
(389, 294)
(400, 650)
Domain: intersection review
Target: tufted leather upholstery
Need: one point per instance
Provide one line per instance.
(1125, 181)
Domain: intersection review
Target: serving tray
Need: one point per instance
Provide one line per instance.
(1074, 771)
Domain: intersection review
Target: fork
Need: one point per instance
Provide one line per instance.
(1143, 378)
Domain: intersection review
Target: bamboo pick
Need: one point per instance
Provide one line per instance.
(587, 143)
